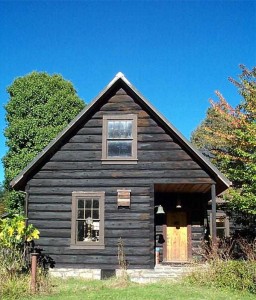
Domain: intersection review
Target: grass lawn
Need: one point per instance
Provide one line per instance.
(74, 289)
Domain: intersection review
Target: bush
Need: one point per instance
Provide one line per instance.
(234, 274)
(14, 239)
(231, 264)
(16, 244)
(14, 287)
(228, 248)
(18, 286)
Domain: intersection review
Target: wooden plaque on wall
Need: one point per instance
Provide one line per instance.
(123, 198)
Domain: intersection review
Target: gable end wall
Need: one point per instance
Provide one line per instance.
(77, 166)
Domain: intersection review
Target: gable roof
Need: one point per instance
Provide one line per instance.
(20, 180)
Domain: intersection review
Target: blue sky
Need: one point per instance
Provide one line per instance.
(177, 53)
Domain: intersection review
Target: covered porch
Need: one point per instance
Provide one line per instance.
(182, 220)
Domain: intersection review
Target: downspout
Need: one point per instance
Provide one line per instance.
(213, 195)
(26, 202)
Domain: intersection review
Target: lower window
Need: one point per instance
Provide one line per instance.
(87, 220)
(222, 225)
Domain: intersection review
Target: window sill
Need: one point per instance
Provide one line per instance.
(92, 247)
(115, 161)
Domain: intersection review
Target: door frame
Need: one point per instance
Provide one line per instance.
(189, 240)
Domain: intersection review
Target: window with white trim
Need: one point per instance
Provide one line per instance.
(87, 220)
(119, 139)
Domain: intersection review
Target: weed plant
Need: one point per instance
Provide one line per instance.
(17, 286)
(230, 264)
(236, 275)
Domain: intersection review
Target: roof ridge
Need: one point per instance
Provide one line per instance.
(119, 75)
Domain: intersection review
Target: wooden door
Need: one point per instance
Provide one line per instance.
(177, 237)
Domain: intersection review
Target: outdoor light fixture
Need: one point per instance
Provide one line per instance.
(178, 203)
(160, 210)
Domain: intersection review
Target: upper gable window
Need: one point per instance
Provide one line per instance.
(119, 139)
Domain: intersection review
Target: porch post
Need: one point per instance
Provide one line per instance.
(213, 194)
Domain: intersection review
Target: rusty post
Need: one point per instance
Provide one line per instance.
(33, 271)
(157, 252)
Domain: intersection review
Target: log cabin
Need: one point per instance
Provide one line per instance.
(120, 170)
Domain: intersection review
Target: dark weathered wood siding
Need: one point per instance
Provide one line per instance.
(77, 166)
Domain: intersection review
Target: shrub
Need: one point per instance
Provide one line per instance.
(234, 274)
(231, 263)
(14, 238)
(228, 248)
(14, 287)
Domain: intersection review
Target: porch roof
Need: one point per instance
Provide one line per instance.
(183, 188)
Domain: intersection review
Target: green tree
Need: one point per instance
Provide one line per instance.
(1, 199)
(39, 107)
(228, 137)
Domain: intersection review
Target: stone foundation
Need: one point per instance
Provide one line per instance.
(137, 275)
(81, 273)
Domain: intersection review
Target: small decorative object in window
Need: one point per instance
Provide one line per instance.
(124, 198)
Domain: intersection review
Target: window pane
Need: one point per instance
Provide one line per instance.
(80, 214)
(220, 223)
(88, 203)
(88, 214)
(80, 203)
(120, 129)
(95, 203)
(220, 233)
(96, 225)
(96, 231)
(120, 148)
(81, 227)
(95, 214)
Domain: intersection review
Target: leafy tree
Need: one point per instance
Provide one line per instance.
(228, 137)
(1, 199)
(39, 107)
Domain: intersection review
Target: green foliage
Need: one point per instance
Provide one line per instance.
(2, 193)
(13, 237)
(233, 274)
(12, 288)
(13, 231)
(228, 137)
(40, 106)
(18, 286)
(15, 259)
(13, 200)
